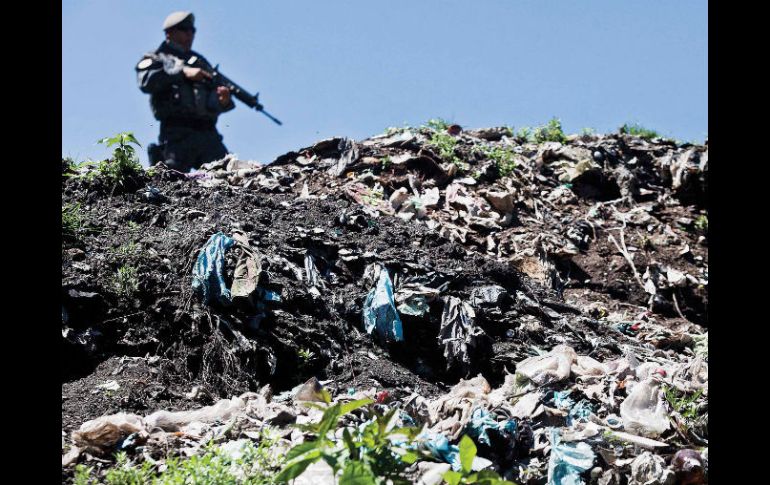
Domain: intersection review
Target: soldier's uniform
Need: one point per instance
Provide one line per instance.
(187, 110)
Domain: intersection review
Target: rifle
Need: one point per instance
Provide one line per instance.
(219, 79)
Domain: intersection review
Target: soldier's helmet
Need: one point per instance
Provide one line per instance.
(179, 19)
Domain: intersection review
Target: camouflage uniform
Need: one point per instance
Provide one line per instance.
(187, 110)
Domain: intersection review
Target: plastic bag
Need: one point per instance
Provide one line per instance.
(380, 311)
(568, 461)
(644, 410)
(552, 367)
(102, 434)
(208, 273)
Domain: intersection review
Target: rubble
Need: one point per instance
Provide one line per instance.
(548, 300)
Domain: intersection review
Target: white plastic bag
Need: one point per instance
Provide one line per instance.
(644, 410)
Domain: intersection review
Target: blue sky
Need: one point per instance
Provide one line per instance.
(354, 68)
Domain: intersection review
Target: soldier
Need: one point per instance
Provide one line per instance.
(186, 105)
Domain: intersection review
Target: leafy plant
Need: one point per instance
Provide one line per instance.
(373, 453)
(125, 281)
(71, 220)
(466, 475)
(683, 404)
(437, 124)
(587, 131)
(504, 159)
(386, 162)
(550, 132)
(702, 223)
(638, 130)
(524, 135)
(255, 465)
(124, 164)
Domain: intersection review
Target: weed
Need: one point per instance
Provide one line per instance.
(550, 132)
(83, 475)
(124, 164)
(126, 249)
(437, 124)
(524, 135)
(386, 162)
(702, 223)
(466, 475)
(504, 159)
(445, 145)
(638, 130)
(71, 220)
(587, 132)
(366, 454)
(681, 403)
(255, 465)
(125, 281)
(305, 356)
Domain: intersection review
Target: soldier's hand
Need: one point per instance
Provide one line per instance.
(195, 73)
(223, 94)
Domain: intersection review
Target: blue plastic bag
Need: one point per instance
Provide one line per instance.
(380, 311)
(438, 446)
(481, 422)
(208, 273)
(568, 461)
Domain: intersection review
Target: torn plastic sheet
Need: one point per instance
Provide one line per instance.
(568, 460)
(312, 275)
(414, 298)
(380, 311)
(208, 273)
(247, 269)
(458, 333)
(481, 422)
(438, 446)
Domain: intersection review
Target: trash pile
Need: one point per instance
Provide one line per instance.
(546, 299)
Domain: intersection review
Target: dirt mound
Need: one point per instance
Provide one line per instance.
(496, 249)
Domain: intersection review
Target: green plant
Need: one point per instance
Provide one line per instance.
(503, 158)
(71, 220)
(124, 164)
(683, 404)
(305, 356)
(445, 144)
(587, 131)
(125, 281)
(372, 453)
(82, 475)
(702, 223)
(126, 249)
(524, 135)
(437, 124)
(386, 162)
(638, 130)
(253, 465)
(466, 475)
(550, 132)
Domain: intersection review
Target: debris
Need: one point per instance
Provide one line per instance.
(568, 461)
(644, 410)
(380, 311)
(208, 273)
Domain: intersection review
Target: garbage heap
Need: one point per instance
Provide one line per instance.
(546, 299)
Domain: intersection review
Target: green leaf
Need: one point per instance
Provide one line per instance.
(409, 457)
(295, 468)
(467, 453)
(353, 405)
(357, 473)
(451, 477)
(329, 420)
(301, 449)
(349, 443)
(326, 396)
